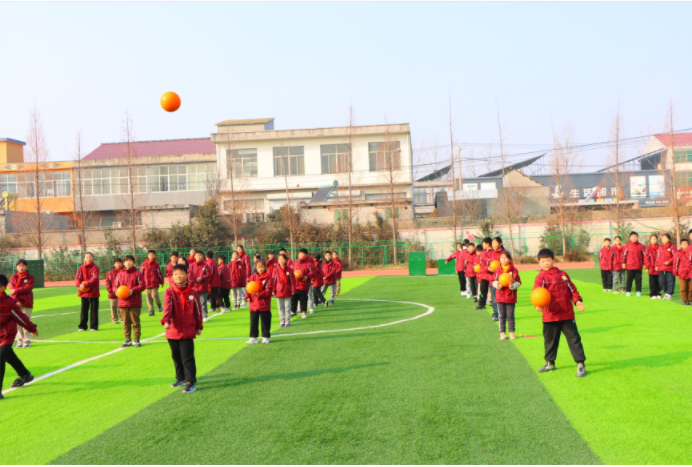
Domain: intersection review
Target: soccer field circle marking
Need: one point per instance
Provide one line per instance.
(151, 340)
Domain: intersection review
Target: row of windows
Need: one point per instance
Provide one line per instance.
(51, 184)
(335, 158)
(683, 156)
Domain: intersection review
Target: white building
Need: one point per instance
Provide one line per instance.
(260, 163)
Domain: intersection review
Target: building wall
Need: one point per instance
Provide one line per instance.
(11, 152)
(327, 215)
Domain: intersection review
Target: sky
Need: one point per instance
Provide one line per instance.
(83, 65)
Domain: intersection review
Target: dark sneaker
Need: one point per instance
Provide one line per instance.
(547, 367)
(1, 396)
(475, 299)
(22, 380)
(479, 307)
(160, 309)
(177, 384)
(189, 387)
(151, 313)
(137, 344)
(331, 302)
(496, 319)
(581, 370)
(128, 343)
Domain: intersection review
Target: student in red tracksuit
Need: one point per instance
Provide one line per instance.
(131, 307)
(182, 320)
(289, 261)
(151, 271)
(682, 268)
(87, 282)
(110, 287)
(199, 275)
(284, 288)
(224, 288)
(470, 273)
(169, 267)
(493, 254)
(339, 270)
(483, 275)
(460, 256)
(305, 265)
(506, 296)
(22, 291)
(633, 261)
(619, 272)
(558, 316)
(238, 280)
(247, 264)
(664, 265)
(318, 282)
(11, 316)
(271, 261)
(213, 282)
(329, 269)
(605, 261)
(191, 256)
(650, 255)
(260, 304)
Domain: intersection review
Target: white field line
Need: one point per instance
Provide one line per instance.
(69, 313)
(430, 309)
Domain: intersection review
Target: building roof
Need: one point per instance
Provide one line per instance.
(436, 175)
(518, 165)
(15, 141)
(167, 147)
(680, 139)
(247, 121)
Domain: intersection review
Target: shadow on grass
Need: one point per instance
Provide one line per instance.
(603, 329)
(227, 380)
(652, 361)
(334, 335)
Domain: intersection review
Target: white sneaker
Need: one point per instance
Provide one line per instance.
(653, 297)
(253, 340)
(667, 297)
(605, 290)
(311, 311)
(615, 291)
(93, 330)
(628, 294)
(204, 320)
(639, 294)
(461, 293)
(304, 315)
(468, 295)
(265, 341)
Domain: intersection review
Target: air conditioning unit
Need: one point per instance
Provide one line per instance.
(117, 225)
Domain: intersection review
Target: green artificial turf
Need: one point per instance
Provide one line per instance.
(438, 389)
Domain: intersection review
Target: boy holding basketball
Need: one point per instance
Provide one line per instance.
(558, 314)
(110, 287)
(131, 306)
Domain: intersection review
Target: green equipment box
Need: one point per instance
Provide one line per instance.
(448, 269)
(416, 263)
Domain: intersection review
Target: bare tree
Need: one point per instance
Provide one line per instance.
(83, 205)
(615, 160)
(471, 162)
(287, 212)
(508, 204)
(131, 198)
(388, 162)
(451, 171)
(563, 161)
(234, 203)
(669, 168)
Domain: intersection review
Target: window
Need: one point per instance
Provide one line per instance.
(335, 158)
(384, 155)
(488, 186)
(421, 196)
(51, 184)
(683, 179)
(199, 176)
(112, 219)
(112, 181)
(683, 156)
(341, 215)
(385, 195)
(191, 177)
(242, 162)
(289, 161)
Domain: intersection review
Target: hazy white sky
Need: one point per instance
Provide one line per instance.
(84, 64)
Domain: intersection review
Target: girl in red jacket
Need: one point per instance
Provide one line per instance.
(681, 268)
(460, 256)
(87, 282)
(318, 282)
(182, 320)
(605, 261)
(558, 316)
(506, 297)
(131, 307)
(284, 287)
(238, 280)
(110, 287)
(664, 265)
(650, 255)
(469, 272)
(22, 291)
(10, 317)
(260, 304)
(329, 270)
(224, 288)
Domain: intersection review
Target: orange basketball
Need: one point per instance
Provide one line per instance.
(209, 289)
(123, 292)
(86, 289)
(170, 101)
(540, 297)
(505, 279)
(494, 265)
(477, 268)
(299, 274)
(252, 287)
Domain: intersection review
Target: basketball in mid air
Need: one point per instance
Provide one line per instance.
(170, 101)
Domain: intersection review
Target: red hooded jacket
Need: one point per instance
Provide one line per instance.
(224, 276)
(340, 267)
(169, 272)
(151, 271)
(307, 267)
(562, 294)
(271, 263)
(247, 267)
(665, 254)
(650, 255)
(134, 280)
(10, 317)
(196, 270)
(214, 268)
(605, 258)
(238, 275)
(318, 275)
(182, 312)
(682, 264)
(460, 256)
(284, 281)
(618, 252)
(505, 294)
(329, 269)
(469, 262)
(90, 274)
(633, 256)
(490, 256)
(23, 289)
(110, 282)
(262, 301)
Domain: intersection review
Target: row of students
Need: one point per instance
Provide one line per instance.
(663, 262)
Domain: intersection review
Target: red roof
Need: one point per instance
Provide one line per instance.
(169, 147)
(680, 139)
